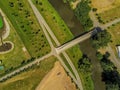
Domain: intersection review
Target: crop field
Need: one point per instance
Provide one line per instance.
(115, 32)
(29, 79)
(14, 58)
(26, 25)
(1, 22)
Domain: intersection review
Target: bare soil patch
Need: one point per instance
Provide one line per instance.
(56, 79)
(5, 47)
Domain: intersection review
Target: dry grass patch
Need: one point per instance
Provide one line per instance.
(103, 5)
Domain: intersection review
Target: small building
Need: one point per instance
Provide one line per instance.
(118, 49)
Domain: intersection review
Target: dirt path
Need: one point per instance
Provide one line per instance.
(56, 79)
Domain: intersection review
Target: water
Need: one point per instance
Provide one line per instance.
(76, 28)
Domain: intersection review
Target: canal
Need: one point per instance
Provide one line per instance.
(76, 28)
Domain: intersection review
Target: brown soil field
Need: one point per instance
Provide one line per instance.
(56, 79)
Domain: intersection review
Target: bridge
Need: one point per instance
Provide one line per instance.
(77, 40)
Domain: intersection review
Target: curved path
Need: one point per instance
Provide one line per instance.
(7, 27)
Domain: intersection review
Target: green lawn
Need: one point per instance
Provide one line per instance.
(55, 22)
(17, 55)
(1, 22)
(115, 32)
(75, 55)
(110, 15)
(63, 34)
(25, 23)
(29, 79)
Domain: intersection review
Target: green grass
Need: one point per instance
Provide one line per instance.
(115, 33)
(1, 22)
(55, 22)
(110, 15)
(75, 54)
(27, 26)
(17, 55)
(63, 34)
(29, 79)
(67, 64)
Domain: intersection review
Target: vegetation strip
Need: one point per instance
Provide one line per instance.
(1, 22)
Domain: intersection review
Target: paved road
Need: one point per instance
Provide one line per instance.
(74, 42)
(41, 19)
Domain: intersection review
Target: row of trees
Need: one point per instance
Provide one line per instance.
(15, 68)
(84, 65)
(110, 75)
(82, 13)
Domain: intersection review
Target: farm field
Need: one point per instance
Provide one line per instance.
(26, 25)
(29, 79)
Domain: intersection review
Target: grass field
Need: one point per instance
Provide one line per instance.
(17, 55)
(110, 15)
(62, 33)
(86, 79)
(22, 17)
(1, 22)
(29, 79)
(115, 33)
(58, 26)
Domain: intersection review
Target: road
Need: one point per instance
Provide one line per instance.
(42, 21)
(113, 58)
(102, 26)
(74, 42)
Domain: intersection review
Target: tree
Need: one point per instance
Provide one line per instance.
(99, 55)
(111, 77)
(112, 87)
(84, 64)
(82, 13)
(101, 39)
